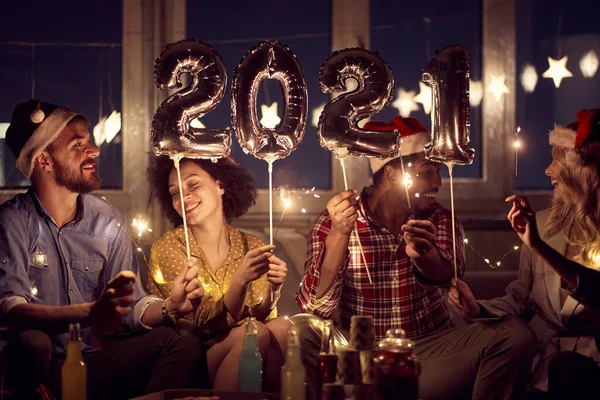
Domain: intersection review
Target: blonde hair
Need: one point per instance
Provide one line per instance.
(577, 212)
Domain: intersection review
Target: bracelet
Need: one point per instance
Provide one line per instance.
(169, 315)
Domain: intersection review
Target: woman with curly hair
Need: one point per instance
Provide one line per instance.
(559, 277)
(240, 274)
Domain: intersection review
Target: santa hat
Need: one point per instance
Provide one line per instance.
(413, 136)
(581, 136)
(33, 126)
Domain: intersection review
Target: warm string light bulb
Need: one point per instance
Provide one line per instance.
(486, 259)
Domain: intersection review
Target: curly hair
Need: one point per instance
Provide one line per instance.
(238, 184)
(577, 213)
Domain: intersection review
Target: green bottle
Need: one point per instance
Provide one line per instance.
(250, 360)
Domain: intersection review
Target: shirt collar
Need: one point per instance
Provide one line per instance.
(39, 207)
(235, 241)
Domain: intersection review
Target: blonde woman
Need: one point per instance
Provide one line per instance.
(240, 274)
(559, 281)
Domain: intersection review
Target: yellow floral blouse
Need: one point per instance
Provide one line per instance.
(168, 256)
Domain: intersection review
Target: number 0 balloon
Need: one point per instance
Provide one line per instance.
(269, 60)
(171, 130)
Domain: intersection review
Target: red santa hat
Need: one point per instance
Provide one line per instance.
(33, 126)
(581, 136)
(413, 136)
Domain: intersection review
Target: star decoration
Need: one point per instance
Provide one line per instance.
(529, 78)
(269, 119)
(424, 97)
(475, 93)
(497, 86)
(405, 102)
(589, 64)
(196, 123)
(316, 114)
(557, 70)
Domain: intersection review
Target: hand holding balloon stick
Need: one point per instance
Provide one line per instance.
(448, 75)
(338, 129)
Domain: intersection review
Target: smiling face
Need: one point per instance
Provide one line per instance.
(73, 158)
(553, 171)
(426, 182)
(201, 193)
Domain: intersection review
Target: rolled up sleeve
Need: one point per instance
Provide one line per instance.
(15, 286)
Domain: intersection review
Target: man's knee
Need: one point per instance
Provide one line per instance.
(517, 337)
(31, 347)
(181, 340)
(309, 328)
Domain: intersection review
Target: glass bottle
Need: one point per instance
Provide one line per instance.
(397, 369)
(293, 375)
(328, 359)
(250, 359)
(74, 371)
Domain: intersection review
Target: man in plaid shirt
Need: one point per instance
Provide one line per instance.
(409, 258)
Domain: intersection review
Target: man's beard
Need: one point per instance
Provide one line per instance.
(73, 181)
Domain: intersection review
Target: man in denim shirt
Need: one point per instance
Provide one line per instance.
(65, 257)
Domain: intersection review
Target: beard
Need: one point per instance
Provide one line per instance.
(74, 180)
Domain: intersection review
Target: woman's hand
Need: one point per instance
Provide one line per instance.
(277, 272)
(254, 265)
(187, 290)
(522, 220)
(462, 300)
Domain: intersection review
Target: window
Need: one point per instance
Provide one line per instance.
(556, 29)
(406, 37)
(67, 55)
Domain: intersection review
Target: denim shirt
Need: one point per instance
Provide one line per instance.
(42, 264)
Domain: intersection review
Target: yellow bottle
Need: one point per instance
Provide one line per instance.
(293, 374)
(74, 372)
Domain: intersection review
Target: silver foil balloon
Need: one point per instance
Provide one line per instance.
(338, 129)
(269, 60)
(171, 128)
(448, 75)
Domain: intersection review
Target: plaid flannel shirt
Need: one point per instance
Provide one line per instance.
(400, 297)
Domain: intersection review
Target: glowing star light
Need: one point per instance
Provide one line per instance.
(424, 97)
(529, 78)
(497, 86)
(316, 114)
(557, 70)
(269, 119)
(589, 64)
(475, 93)
(405, 102)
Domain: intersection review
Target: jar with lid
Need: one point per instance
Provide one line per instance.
(396, 368)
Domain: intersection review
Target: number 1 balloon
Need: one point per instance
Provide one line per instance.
(448, 75)
(171, 128)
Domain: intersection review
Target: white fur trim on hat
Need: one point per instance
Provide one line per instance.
(409, 145)
(562, 136)
(45, 134)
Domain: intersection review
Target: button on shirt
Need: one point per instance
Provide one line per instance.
(42, 264)
(399, 296)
